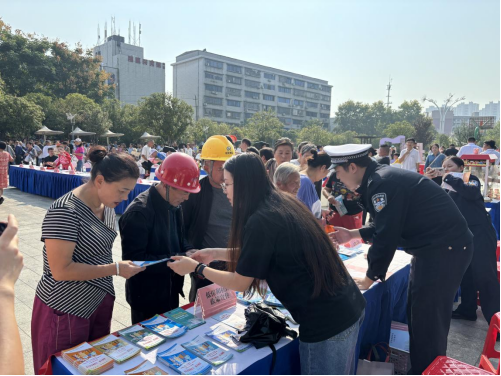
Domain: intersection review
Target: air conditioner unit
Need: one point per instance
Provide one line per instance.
(228, 114)
(294, 112)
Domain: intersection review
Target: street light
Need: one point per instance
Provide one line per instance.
(448, 103)
(71, 118)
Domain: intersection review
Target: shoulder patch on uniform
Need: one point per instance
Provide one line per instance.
(379, 201)
(472, 182)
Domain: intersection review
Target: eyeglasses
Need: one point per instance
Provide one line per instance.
(224, 186)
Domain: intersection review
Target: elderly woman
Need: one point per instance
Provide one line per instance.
(287, 178)
(282, 153)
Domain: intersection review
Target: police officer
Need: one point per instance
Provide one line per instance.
(401, 203)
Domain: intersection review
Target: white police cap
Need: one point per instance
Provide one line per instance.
(344, 153)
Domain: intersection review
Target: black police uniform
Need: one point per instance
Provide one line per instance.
(481, 275)
(408, 212)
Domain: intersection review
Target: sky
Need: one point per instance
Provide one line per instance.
(428, 47)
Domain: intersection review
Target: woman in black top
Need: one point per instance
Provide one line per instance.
(481, 275)
(274, 238)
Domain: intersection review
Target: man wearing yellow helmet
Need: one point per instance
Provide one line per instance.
(207, 215)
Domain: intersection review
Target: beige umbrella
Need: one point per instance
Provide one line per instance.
(146, 135)
(109, 134)
(78, 132)
(46, 131)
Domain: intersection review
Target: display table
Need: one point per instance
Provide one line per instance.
(386, 302)
(54, 185)
(494, 212)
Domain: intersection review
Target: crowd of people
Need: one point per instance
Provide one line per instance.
(255, 221)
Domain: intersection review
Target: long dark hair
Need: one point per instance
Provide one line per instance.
(319, 159)
(253, 191)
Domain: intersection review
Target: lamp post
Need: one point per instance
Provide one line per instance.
(71, 118)
(448, 103)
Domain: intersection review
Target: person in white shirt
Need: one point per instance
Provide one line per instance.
(470, 148)
(189, 150)
(145, 158)
(490, 148)
(409, 157)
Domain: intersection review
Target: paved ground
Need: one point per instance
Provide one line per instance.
(466, 338)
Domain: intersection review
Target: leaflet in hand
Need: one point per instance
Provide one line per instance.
(208, 351)
(149, 263)
(116, 348)
(233, 317)
(142, 337)
(145, 368)
(165, 327)
(88, 360)
(184, 318)
(224, 335)
(183, 361)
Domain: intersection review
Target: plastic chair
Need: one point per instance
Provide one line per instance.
(443, 365)
(489, 350)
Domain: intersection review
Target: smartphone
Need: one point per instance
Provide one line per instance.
(3, 225)
(440, 171)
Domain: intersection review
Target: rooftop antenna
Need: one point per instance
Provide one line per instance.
(134, 41)
(129, 31)
(388, 88)
(98, 35)
(105, 30)
(113, 31)
(139, 35)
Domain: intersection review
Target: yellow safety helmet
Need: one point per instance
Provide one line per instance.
(217, 148)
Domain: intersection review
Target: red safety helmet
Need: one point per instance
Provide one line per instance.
(234, 138)
(180, 171)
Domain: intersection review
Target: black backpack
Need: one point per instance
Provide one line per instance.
(265, 326)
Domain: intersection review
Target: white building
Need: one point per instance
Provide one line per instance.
(135, 77)
(491, 109)
(465, 109)
(231, 91)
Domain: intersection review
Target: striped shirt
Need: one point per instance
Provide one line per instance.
(70, 219)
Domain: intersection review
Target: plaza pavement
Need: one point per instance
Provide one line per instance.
(466, 339)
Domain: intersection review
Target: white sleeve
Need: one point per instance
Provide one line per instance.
(460, 152)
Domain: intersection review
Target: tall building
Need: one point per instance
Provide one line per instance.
(465, 109)
(231, 91)
(448, 124)
(491, 109)
(135, 77)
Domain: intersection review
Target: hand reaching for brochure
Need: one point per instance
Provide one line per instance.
(205, 256)
(182, 265)
(129, 269)
(341, 235)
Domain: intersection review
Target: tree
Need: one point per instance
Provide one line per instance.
(410, 111)
(347, 137)
(315, 134)
(400, 128)
(55, 118)
(492, 134)
(165, 115)
(352, 116)
(81, 106)
(442, 140)
(264, 126)
(424, 131)
(461, 133)
(240, 133)
(19, 118)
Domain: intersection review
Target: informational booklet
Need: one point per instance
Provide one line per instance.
(224, 335)
(165, 327)
(271, 300)
(350, 252)
(88, 360)
(145, 368)
(208, 351)
(149, 263)
(142, 337)
(184, 318)
(399, 336)
(116, 348)
(233, 317)
(255, 298)
(183, 361)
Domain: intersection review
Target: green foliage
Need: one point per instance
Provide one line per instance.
(315, 134)
(400, 128)
(492, 134)
(19, 118)
(363, 118)
(410, 111)
(442, 140)
(461, 133)
(347, 137)
(164, 115)
(292, 134)
(264, 126)
(424, 131)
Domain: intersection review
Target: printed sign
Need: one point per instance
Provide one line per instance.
(213, 299)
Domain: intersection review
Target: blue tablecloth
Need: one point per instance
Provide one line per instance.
(53, 185)
(494, 206)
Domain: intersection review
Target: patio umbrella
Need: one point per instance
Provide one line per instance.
(78, 132)
(46, 131)
(109, 134)
(146, 135)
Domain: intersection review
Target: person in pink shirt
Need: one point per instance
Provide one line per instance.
(5, 158)
(79, 153)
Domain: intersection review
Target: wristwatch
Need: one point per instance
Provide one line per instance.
(199, 270)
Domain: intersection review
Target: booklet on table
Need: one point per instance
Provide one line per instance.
(164, 326)
(183, 361)
(234, 317)
(87, 360)
(116, 348)
(224, 335)
(184, 318)
(145, 368)
(141, 337)
(208, 351)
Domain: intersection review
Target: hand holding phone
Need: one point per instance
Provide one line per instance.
(11, 260)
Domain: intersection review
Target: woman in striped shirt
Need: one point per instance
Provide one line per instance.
(74, 299)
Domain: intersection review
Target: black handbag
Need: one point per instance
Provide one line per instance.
(265, 326)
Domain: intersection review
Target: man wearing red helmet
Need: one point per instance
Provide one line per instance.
(152, 229)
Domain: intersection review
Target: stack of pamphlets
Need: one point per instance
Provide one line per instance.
(183, 361)
(145, 368)
(208, 351)
(165, 327)
(234, 317)
(349, 252)
(116, 348)
(87, 360)
(184, 318)
(141, 337)
(224, 335)
(255, 298)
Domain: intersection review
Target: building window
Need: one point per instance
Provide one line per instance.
(213, 76)
(285, 90)
(233, 103)
(327, 89)
(233, 80)
(311, 114)
(233, 115)
(325, 98)
(267, 97)
(131, 58)
(298, 112)
(297, 102)
(214, 88)
(284, 100)
(233, 92)
(213, 101)
(252, 106)
(310, 85)
(286, 121)
(311, 104)
(254, 84)
(269, 87)
(299, 93)
(312, 95)
(269, 76)
(297, 122)
(266, 108)
(299, 82)
(285, 80)
(252, 72)
(138, 60)
(233, 68)
(212, 112)
(325, 107)
(251, 94)
(324, 116)
(284, 111)
(213, 64)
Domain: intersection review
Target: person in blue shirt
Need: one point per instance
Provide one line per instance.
(435, 158)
